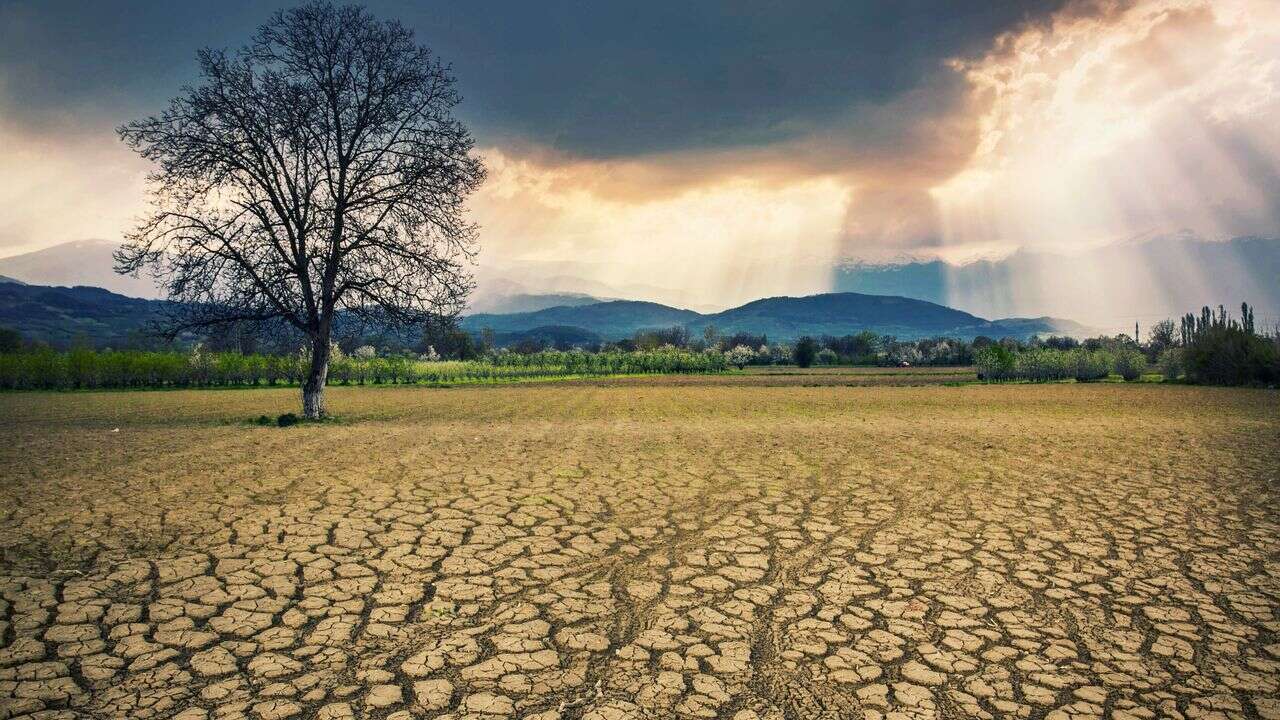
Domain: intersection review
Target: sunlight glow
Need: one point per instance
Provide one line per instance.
(1105, 124)
(1150, 120)
(715, 244)
(59, 188)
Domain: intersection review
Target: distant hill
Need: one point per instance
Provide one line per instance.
(83, 262)
(62, 316)
(1025, 328)
(529, 302)
(65, 315)
(840, 314)
(550, 336)
(781, 318)
(613, 319)
(5, 279)
(1109, 287)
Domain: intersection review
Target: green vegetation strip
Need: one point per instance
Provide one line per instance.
(93, 369)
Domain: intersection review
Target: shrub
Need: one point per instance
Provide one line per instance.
(1090, 365)
(1170, 362)
(286, 420)
(776, 354)
(827, 356)
(1041, 365)
(995, 362)
(1129, 363)
(806, 351)
(1231, 356)
(1046, 364)
(10, 340)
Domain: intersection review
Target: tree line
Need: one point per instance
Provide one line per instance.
(41, 368)
(748, 348)
(1210, 348)
(1215, 349)
(1046, 364)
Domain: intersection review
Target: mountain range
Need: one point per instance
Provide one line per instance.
(64, 316)
(518, 302)
(781, 318)
(1109, 286)
(82, 262)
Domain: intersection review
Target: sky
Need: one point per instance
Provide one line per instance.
(708, 153)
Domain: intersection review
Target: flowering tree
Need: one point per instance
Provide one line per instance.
(739, 356)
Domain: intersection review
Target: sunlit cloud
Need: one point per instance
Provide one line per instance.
(1110, 122)
(1106, 122)
(1113, 123)
(722, 241)
(715, 227)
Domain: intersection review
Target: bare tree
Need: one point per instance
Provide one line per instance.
(316, 175)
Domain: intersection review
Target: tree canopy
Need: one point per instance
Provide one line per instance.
(317, 173)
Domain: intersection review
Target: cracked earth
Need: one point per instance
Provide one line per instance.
(615, 552)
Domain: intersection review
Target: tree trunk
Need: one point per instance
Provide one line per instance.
(313, 386)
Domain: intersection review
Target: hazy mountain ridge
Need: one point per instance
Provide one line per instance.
(1109, 286)
(781, 318)
(612, 319)
(64, 316)
(839, 314)
(1112, 285)
(85, 263)
(502, 304)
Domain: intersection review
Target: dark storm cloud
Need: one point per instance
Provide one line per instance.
(590, 79)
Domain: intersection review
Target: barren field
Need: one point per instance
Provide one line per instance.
(644, 549)
(809, 377)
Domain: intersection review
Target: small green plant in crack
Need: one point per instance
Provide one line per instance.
(445, 611)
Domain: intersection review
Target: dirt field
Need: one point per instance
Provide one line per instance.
(644, 549)
(811, 377)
